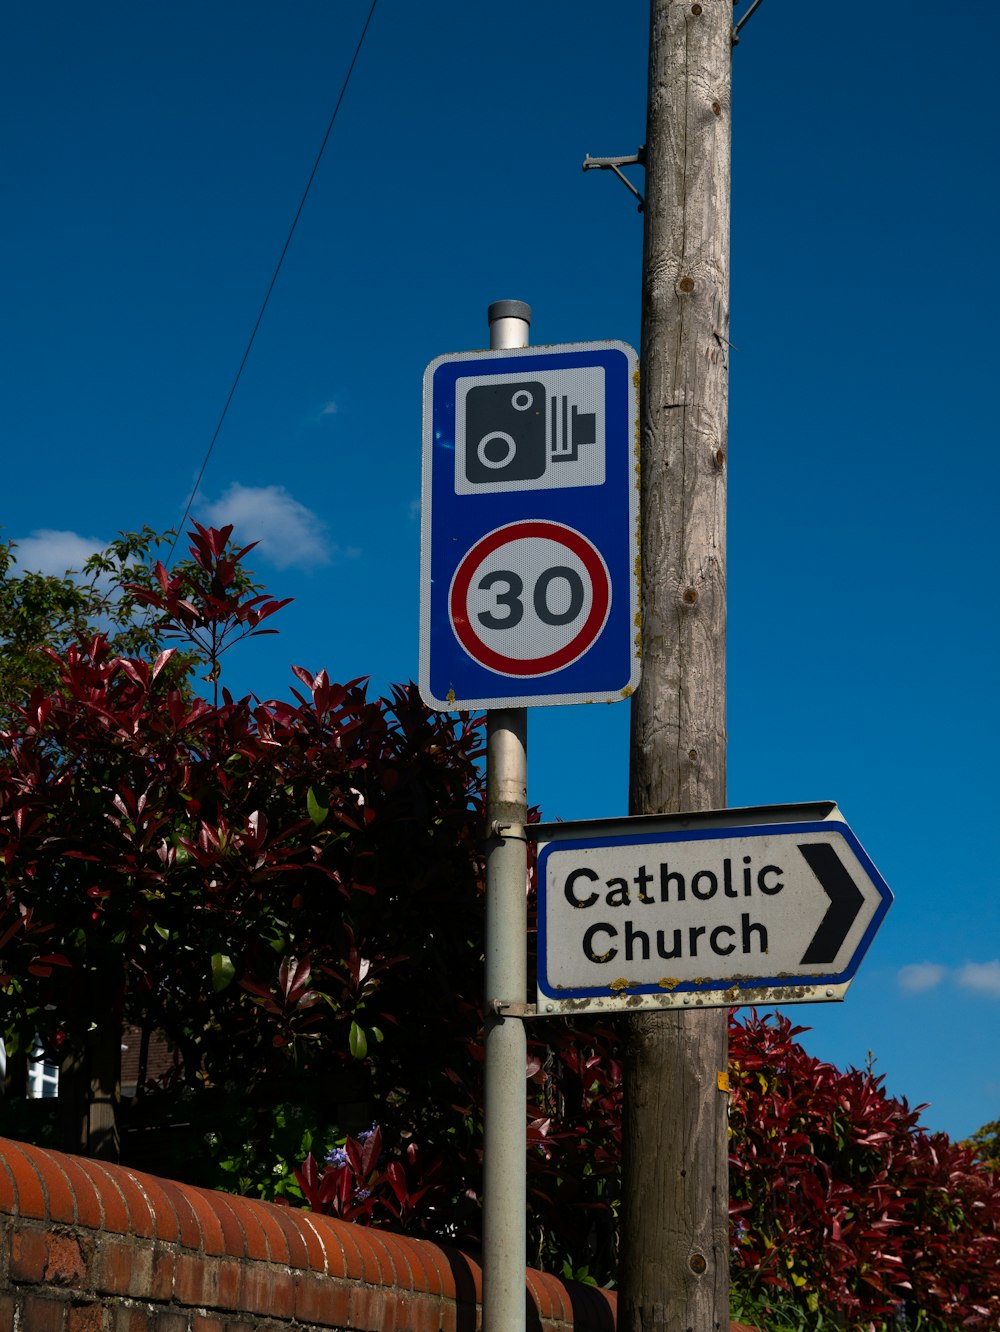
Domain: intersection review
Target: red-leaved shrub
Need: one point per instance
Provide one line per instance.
(839, 1195)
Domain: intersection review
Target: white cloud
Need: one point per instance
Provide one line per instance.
(983, 977)
(49, 551)
(330, 409)
(288, 534)
(920, 976)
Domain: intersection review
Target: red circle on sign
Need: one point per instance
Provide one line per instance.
(586, 553)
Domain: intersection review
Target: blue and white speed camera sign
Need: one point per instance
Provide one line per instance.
(529, 554)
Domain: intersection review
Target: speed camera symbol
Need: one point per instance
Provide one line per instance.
(505, 432)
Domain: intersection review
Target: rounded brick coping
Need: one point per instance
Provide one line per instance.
(48, 1187)
(37, 1184)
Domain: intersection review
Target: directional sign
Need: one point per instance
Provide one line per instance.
(529, 554)
(769, 905)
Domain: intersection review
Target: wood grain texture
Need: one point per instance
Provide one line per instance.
(679, 712)
(674, 1243)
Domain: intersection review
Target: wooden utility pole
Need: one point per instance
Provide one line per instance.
(674, 1239)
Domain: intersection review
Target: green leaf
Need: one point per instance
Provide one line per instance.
(317, 812)
(223, 971)
(358, 1041)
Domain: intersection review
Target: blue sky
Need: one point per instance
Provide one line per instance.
(153, 158)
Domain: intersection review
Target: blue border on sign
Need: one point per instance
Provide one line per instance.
(708, 834)
(604, 514)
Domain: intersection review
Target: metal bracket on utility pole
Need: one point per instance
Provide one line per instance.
(736, 30)
(615, 164)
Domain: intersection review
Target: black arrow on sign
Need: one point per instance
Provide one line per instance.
(846, 900)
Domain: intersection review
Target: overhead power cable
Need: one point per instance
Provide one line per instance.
(274, 279)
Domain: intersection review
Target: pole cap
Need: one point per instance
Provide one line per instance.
(509, 310)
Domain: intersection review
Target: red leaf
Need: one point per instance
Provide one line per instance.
(397, 1181)
(162, 660)
(372, 1151)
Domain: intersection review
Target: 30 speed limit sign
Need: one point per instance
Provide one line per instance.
(530, 598)
(529, 551)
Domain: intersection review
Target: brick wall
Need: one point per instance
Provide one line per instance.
(89, 1247)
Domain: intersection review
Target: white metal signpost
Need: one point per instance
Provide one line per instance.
(768, 905)
(529, 552)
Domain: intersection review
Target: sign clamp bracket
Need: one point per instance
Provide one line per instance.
(505, 1010)
(507, 832)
